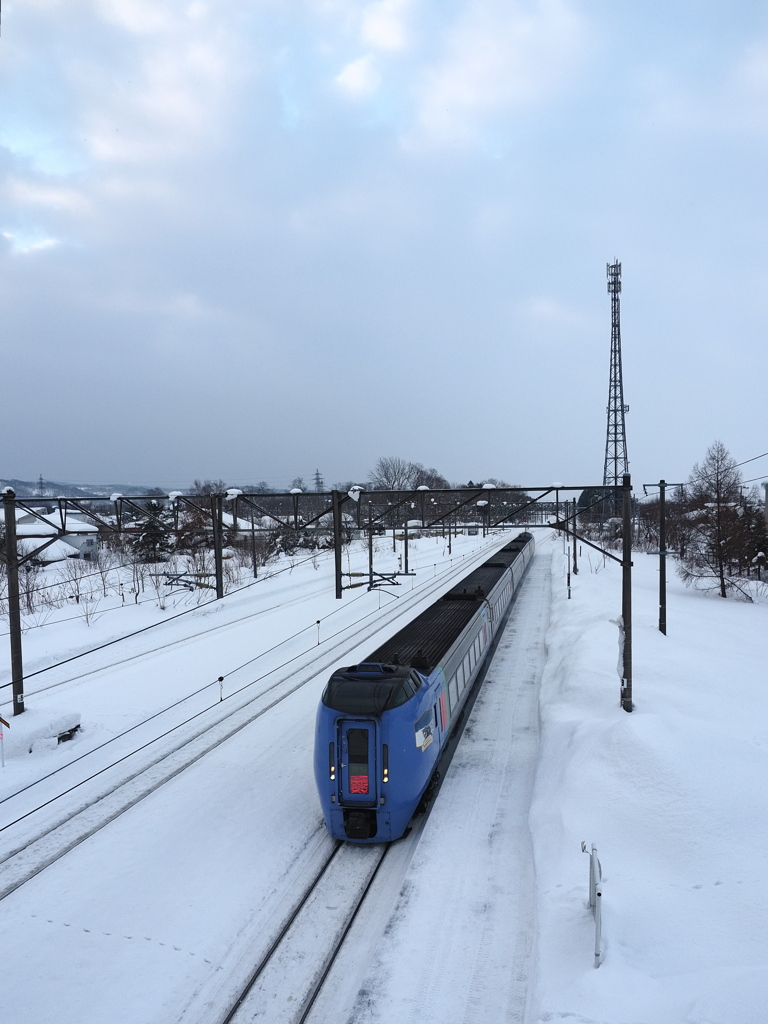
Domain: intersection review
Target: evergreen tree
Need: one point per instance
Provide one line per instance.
(153, 540)
(712, 524)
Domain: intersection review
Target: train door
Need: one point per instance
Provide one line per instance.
(358, 763)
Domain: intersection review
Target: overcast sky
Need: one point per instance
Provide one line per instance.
(249, 239)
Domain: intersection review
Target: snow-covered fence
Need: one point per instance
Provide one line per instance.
(595, 898)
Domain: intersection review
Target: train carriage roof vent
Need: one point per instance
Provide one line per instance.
(419, 661)
(478, 594)
(371, 668)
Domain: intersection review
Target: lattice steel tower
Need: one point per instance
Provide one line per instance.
(616, 462)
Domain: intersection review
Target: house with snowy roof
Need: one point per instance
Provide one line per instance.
(75, 536)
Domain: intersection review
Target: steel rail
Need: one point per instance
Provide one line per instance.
(305, 1001)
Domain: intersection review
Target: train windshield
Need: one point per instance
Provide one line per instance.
(368, 693)
(357, 744)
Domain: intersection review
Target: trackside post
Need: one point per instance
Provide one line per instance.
(14, 610)
(626, 592)
(336, 501)
(595, 898)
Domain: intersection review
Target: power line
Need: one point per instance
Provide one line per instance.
(65, 580)
(154, 625)
(751, 460)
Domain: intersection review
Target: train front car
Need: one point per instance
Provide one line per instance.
(365, 722)
(383, 723)
(365, 740)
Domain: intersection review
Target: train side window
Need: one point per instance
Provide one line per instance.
(454, 692)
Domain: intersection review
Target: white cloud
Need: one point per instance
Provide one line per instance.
(174, 97)
(142, 17)
(360, 78)
(499, 57)
(383, 24)
(735, 100)
(24, 242)
(751, 86)
(54, 196)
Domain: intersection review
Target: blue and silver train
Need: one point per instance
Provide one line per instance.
(382, 724)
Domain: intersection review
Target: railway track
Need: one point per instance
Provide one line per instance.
(290, 974)
(45, 834)
(205, 610)
(317, 939)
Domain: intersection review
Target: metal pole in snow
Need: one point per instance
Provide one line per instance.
(370, 548)
(662, 558)
(598, 925)
(595, 897)
(336, 507)
(626, 592)
(573, 530)
(217, 503)
(14, 611)
(253, 547)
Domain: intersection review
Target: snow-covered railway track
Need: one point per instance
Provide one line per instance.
(186, 638)
(43, 835)
(289, 976)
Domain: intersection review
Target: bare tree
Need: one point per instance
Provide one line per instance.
(28, 578)
(71, 572)
(208, 487)
(391, 473)
(105, 562)
(421, 476)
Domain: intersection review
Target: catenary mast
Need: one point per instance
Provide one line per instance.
(616, 461)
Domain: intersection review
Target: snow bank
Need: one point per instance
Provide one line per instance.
(37, 730)
(673, 797)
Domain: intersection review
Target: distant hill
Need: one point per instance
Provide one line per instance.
(55, 489)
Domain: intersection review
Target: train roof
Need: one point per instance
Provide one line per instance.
(424, 641)
(479, 583)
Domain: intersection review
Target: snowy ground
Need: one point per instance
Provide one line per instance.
(674, 796)
(491, 922)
